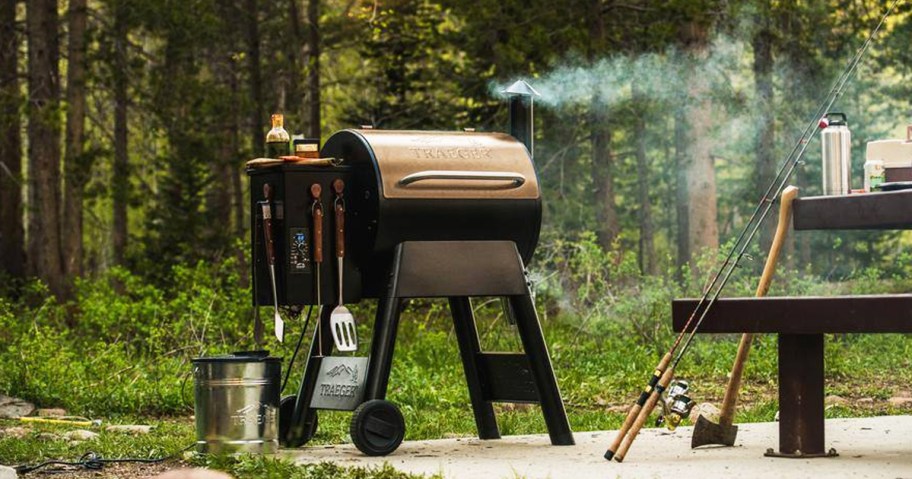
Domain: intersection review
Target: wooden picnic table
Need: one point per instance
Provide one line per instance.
(801, 322)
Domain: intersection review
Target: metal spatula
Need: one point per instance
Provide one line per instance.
(341, 322)
(271, 260)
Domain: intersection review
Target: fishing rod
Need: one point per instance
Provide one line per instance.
(661, 377)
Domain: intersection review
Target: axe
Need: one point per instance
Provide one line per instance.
(705, 431)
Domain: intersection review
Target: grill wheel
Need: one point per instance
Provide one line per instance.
(377, 427)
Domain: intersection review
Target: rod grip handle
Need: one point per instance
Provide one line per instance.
(635, 409)
(644, 414)
(631, 416)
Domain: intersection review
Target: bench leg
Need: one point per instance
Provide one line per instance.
(801, 397)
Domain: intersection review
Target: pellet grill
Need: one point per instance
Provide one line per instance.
(424, 214)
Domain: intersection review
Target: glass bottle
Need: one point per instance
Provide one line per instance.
(277, 139)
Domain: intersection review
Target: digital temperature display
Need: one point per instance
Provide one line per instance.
(299, 259)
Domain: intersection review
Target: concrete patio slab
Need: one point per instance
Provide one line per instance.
(868, 447)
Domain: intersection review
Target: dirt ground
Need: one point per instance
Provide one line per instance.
(113, 471)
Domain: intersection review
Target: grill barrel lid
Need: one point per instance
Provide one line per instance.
(449, 165)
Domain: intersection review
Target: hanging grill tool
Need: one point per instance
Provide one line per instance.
(316, 211)
(271, 258)
(662, 376)
(341, 322)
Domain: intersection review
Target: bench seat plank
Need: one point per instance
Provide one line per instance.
(802, 315)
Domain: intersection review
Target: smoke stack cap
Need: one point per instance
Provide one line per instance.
(520, 87)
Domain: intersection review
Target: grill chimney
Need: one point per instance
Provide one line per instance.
(522, 119)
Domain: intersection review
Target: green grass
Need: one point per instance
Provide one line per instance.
(596, 371)
(120, 351)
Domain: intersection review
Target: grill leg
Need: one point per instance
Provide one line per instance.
(537, 351)
(801, 424)
(381, 358)
(303, 414)
(469, 347)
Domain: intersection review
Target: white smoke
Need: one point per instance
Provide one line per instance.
(661, 76)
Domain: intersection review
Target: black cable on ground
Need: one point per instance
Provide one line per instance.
(297, 348)
(93, 461)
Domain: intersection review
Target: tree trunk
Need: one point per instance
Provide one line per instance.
(701, 180)
(682, 196)
(222, 164)
(44, 145)
(600, 140)
(74, 164)
(294, 75)
(644, 205)
(12, 236)
(766, 126)
(313, 68)
(603, 178)
(120, 179)
(257, 125)
(699, 176)
(801, 82)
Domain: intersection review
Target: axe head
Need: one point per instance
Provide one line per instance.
(708, 433)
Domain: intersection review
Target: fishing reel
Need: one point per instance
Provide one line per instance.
(676, 405)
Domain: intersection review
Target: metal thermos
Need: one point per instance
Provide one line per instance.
(837, 144)
(237, 402)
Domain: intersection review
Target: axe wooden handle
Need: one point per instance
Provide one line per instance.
(727, 415)
(644, 414)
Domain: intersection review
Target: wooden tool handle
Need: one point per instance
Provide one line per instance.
(635, 409)
(727, 414)
(785, 219)
(267, 224)
(267, 234)
(644, 414)
(315, 191)
(339, 186)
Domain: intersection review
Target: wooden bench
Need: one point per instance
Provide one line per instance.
(801, 322)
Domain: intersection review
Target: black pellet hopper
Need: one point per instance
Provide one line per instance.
(412, 214)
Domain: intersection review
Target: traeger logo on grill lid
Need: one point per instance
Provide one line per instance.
(432, 148)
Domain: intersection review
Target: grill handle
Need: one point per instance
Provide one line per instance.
(516, 179)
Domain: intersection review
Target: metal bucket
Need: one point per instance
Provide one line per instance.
(237, 402)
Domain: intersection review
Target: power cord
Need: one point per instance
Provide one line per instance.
(94, 462)
(297, 348)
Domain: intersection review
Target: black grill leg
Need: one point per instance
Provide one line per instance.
(537, 351)
(303, 414)
(469, 347)
(381, 358)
